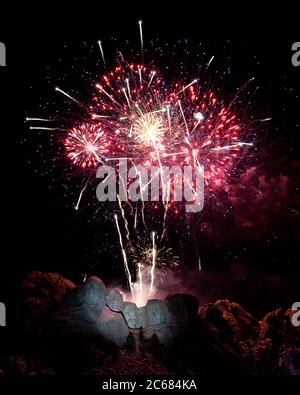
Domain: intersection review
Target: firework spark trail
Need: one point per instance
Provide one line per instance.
(121, 56)
(142, 197)
(265, 119)
(211, 59)
(174, 154)
(141, 287)
(164, 232)
(107, 94)
(165, 203)
(135, 217)
(199, 264)
(169, 116)
(39, 119)
(71, 98)
(102, 53)
(127, 98)
(199, 117)
(113, 159)
(166, 211)
(127, 271)
(124, 218)
(187, 86)
(151, 79)
(104, 180)
(228, 147)
(184, 119)
(156, 111)
(44, 128)
(130, 206)
(151, 179)
(152, 272)
(139, 110)
(128, 88)
(240, 90)
(96, 116)
(141, 37)
(81, 193)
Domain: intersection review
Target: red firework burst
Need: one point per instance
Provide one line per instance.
(86, 145)
(211, 137)
(173, 124)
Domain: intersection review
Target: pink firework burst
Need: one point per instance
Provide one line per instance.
(211, 136)
(132, 99)
(169, 124)
(86, 145)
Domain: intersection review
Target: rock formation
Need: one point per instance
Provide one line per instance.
(90, 309)
(88, 321)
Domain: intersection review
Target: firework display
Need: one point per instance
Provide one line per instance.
(153, 199)
(155, 123)
(137, 114)
(86, 144)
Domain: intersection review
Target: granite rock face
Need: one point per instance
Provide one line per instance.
(92, 310)
(114, 300)
(55, 305)
(132, 315)
(165, 318)
(90, 295)
(219, 336)
(112, 326)
(157, 314)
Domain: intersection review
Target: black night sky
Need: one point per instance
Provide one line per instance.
(251, 256)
